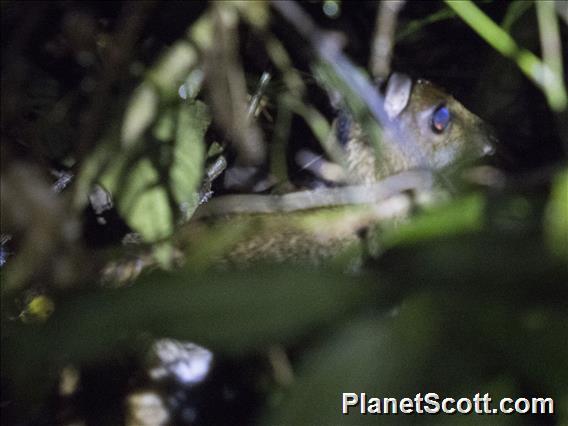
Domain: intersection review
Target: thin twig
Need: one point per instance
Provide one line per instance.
(323, 197)
(227, 88)
(328, 49)
(257, 97)
(539, 72)
(384, 38)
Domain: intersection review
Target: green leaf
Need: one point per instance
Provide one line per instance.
(545, 75)
(230, 312)
(215, 149)
(141, 195)
(431, 344)
(456, 217)
(113, 176)
(256, 13)
(164, 254)
(172, 68)
(164, 130)
(144, 204)
(189, 153)
(556, 222)
(140, 114)
(374, 354)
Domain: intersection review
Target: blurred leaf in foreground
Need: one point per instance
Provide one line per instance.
(556, 220)
(455, 217)
(230, 312)
(493, 320)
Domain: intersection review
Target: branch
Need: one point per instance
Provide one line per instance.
(323, 197)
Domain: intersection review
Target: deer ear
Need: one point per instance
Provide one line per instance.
(397, 94)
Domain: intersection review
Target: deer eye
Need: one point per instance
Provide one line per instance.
(441, 119)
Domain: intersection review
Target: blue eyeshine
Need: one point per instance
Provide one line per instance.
(441, 119)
